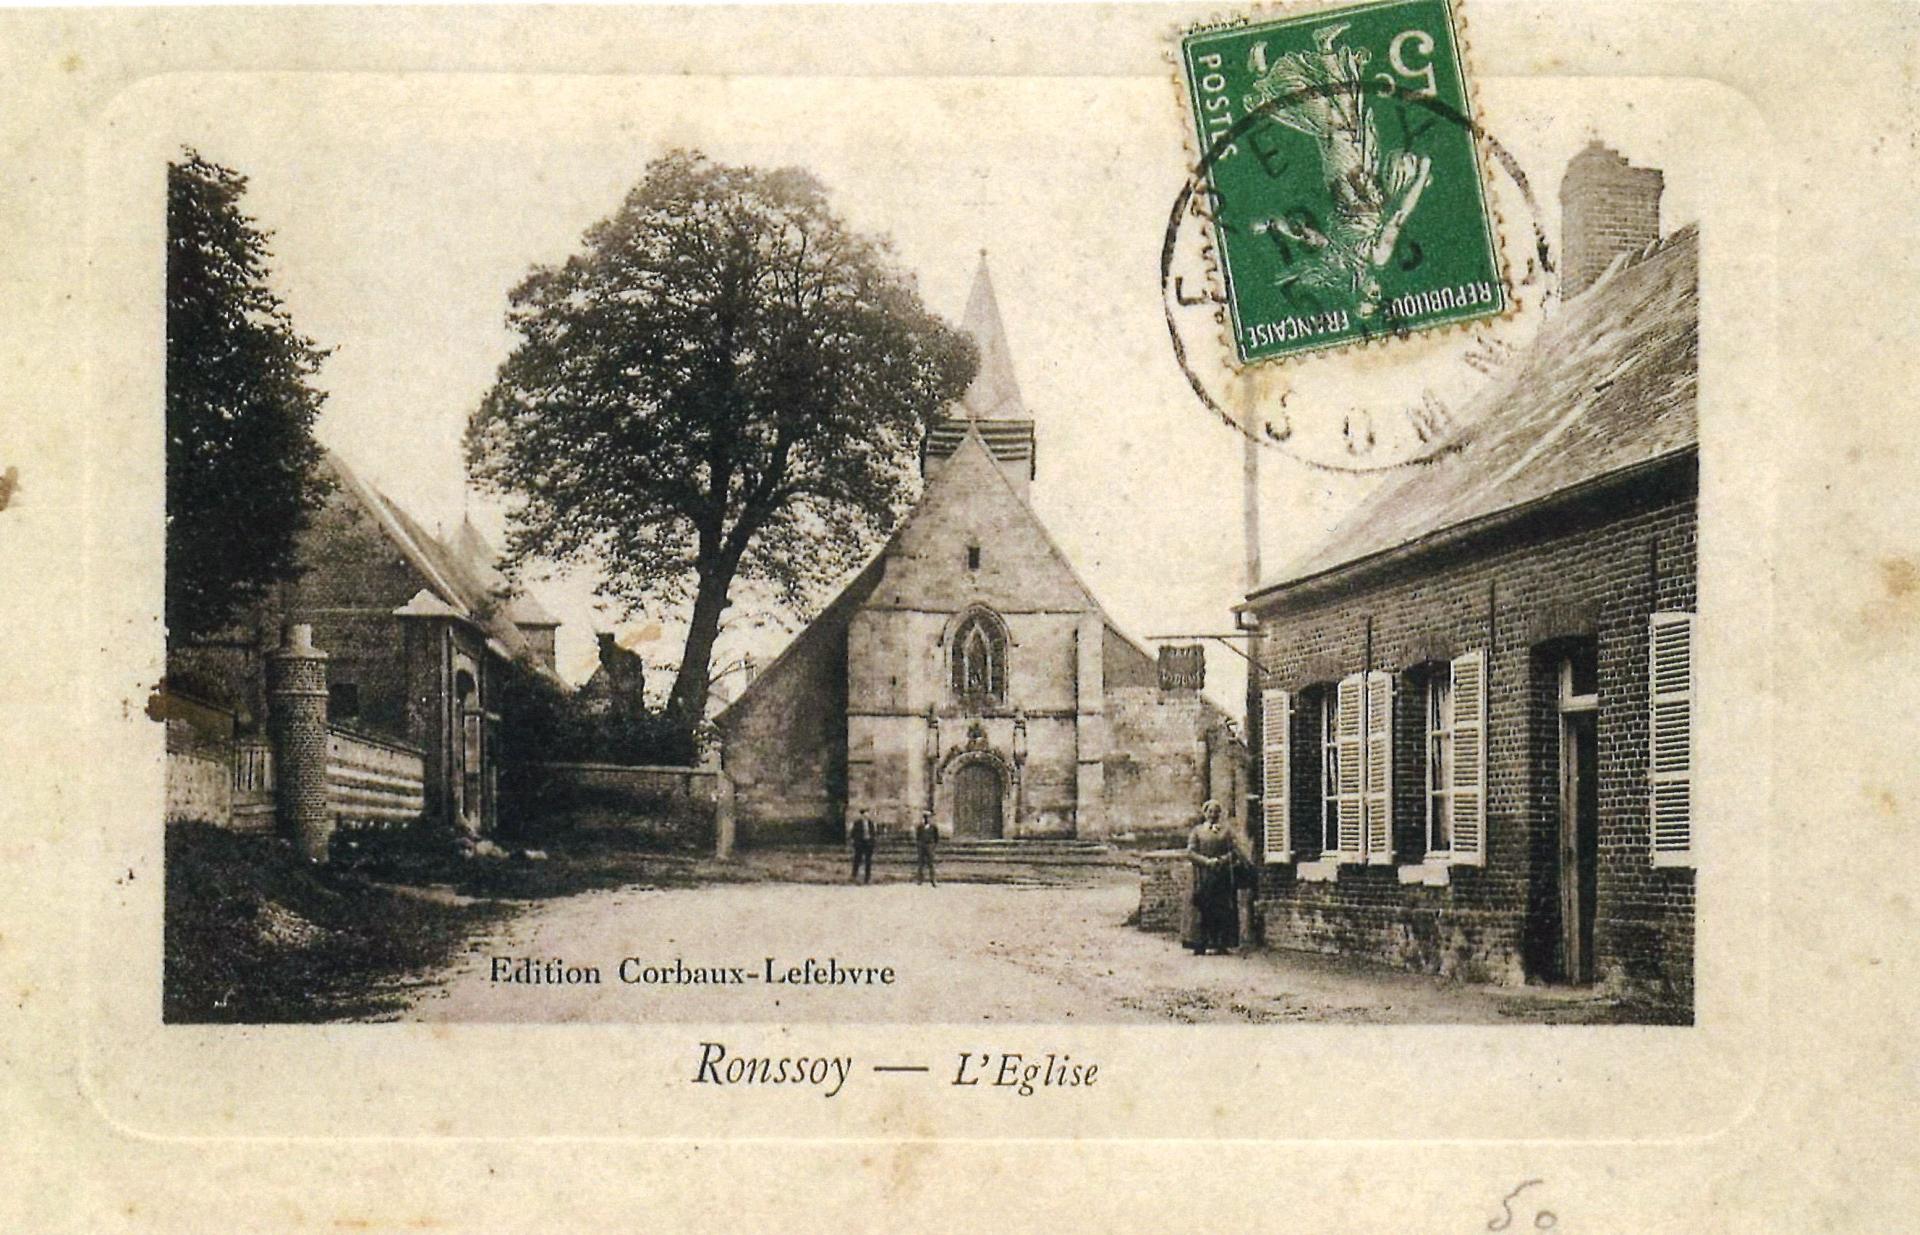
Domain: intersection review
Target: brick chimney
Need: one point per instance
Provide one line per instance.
(1607, 207)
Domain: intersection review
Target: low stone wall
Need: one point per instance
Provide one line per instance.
(1166, 883)
(199, 746)
(198, 787)
(370, 780)
(663, 803)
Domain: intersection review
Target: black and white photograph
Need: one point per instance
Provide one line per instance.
(1014, 618)
(672, 528)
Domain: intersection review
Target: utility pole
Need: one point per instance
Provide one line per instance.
(1249, 486)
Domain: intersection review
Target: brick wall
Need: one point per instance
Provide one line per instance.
(1166, 881)
(1596, 572)
(1607, 207)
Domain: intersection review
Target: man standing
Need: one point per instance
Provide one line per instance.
(864, 834)
(925, 836)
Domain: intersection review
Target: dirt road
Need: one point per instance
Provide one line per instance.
(962, 952)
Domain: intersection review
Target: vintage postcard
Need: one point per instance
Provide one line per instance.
(1055, 588)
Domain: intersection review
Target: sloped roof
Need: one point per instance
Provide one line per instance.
(473, 554)
(994, 394)
(524, 610)
(456, 580)
(1608, 385)
(832, 620)
(835, 618)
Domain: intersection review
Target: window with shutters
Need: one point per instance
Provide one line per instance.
(1276, 781)
(1466, 772)
(1439, 759)
(1331, 793)
(1670, 731)
(1356, 769)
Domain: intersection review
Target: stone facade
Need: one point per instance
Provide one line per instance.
(969, 671)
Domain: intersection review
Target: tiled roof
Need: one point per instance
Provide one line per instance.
(1609, 384)
(472, 552)
(460, 582)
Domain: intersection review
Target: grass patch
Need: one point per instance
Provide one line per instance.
(255, 935)
(581, 855)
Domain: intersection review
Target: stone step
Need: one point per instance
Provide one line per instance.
(1060, 851)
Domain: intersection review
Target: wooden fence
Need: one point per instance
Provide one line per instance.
(370, 780)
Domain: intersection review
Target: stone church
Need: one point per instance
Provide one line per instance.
(968, 670)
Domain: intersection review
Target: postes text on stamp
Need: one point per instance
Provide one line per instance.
(1342, 176)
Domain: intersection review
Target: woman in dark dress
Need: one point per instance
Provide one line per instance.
(1210, 849)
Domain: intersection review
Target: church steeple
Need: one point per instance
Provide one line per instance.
(991, 409)
(994, 395)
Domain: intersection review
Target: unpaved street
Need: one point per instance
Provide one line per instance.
(960, 952)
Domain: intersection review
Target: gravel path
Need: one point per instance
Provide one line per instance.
(959, 953)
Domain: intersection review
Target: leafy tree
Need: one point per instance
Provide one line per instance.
(726, 382)
(241, 458)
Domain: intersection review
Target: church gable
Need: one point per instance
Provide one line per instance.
(972, 540)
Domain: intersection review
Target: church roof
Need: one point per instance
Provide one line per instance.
(972, 454)
(1607, 387)
(994, 428)
(992, 404)
(995, 394)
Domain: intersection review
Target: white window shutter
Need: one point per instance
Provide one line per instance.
(1670, 729)
(1350, 720)
(1378, 806)
(1276, 783)
(1469, 778)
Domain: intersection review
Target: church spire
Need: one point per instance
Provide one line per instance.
(994, 395)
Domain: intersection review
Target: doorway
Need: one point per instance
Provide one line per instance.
(1578, 864)
(977, 800)
(466, 751)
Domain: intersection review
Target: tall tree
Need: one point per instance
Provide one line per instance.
(241, 458)
(727, 382)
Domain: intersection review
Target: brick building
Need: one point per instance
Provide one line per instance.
(417, 633)
(968, 670)
(1474, 713)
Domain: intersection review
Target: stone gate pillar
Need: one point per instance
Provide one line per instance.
(297, 724)
(723, 818)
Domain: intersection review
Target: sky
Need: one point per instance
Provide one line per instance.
(404, 209)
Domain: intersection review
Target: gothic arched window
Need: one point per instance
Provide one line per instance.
(980, 661)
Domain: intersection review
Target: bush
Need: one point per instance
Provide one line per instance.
(551, 726)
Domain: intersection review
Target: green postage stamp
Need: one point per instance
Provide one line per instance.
(1342, 176)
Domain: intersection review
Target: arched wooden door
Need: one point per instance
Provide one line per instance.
(977, 794)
